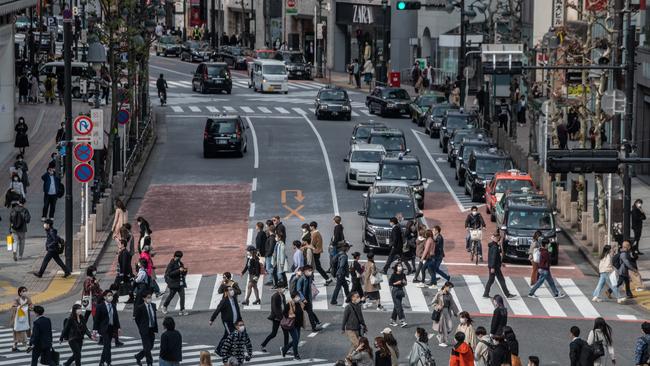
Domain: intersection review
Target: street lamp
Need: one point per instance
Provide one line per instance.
(96, 58)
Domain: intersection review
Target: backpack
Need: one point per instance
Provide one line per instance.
(18, 221)
(60, 245)
(616, 260)
(490, 348)
(427, 360)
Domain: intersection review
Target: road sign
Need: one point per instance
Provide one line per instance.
(97, 116)
(84, 172)
(83, 152)
(291, 7)
(83, 125)
(51, 22)
(123, 117)
(82, 139)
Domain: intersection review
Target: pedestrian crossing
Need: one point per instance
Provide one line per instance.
(124, 355)
(254, 110)
(201, 295)
(242, 83)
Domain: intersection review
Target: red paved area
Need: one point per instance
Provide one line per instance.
(441, 209)
(208, 223)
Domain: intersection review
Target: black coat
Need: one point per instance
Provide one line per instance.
(396, 238)
(499, 320)
(142, 318)
(278, 302)
(252, 267)
(101, 320)
(74, 330)
(124, 264)
(637, 219)
(52, 240)
(173, 275)
(494, 255)
(269, 246)
(500, 355)
(338, 234)
(171, 346)
(225, 310)
(281, 231)
(260, 242)
(578, 353)
(41, 338)
(474, 221)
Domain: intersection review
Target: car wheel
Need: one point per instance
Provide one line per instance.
(349, 117)
(157, 53)
(318, 117)
(421, 205)
(240, 153)
(347, 182)
(370, 110)
(382, 112)
(193, 87)
(207, 154)
(452, 163)
(431, 134)
(286, 92)
(202, 89)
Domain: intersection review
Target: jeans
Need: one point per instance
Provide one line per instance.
(181, 295)
(544, 275)
(269, 270)
(49, 204)
(624, 280)
(604, 277)
(421, 267)
(49, 256)
(340, 282)
(397, 294)
(295, 338)
(433, 264)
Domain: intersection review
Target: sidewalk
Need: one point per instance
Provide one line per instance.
(341, 80)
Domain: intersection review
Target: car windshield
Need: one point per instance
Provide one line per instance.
(385, 208)
(264, 55)
(531, 220)
(217, 71)
(468, 149)
(168, 39)
(333, 95)
(389, 142)
(458, 122)
(396, 94)
(363, 132)
(441, 110)
(512, 185)
(197, 45)
(458, 137)
(491, 166)
(366, 156)
(274, 69)
(400, 171)
(428, 100)
(236, 51)
(223, 127)
(294, 57)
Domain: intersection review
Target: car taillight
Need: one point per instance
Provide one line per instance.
(238, 133)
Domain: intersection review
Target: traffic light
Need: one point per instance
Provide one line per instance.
(582, 161)
(408, 5)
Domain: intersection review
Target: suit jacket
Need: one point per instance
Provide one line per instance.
(142, 318)
(278, 302)
(101, 320)
(578, 354)
(396, 238)
(41, 338)
(124, 264)
(260, 242)
(225, 310)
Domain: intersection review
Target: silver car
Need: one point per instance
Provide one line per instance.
(362, 164)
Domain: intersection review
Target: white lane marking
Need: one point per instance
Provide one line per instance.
(216, 296)
(626, 317)
(264, 109)
(177, 83)
(416, 297)
(455, 297)
(320, 301)
(355, 114)
(579, 299)
(247, 109)
(437, 168)
(37, 125)
(212, 109)
(229, 109)
(366, 112)
(299, 111)
(314, 334)
(256, 161)
(510, 265)
(300, 86)
(192, 289)
(177, 109)
(312, 110)
(254, 185)
(476, 288)
(251, 211)
(384, 294)
(281, 110)
(212, 115)
(517, 304)
(249, 236)
(194, 108)
(335, 202)
(548, 301)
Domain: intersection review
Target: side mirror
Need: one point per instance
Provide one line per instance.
(419, 214)
(354, 138)
(377, 178)
(558, 230)
(424, 180)
(473, 174)
(460, 158)
(361, 213)
(504, 228)
(346, 160)
(554, 213)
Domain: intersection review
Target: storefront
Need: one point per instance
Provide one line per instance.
(362, 26)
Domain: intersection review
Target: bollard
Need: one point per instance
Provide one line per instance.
(596, 231)
(589, 233)
(76, 244)
(92, 221)
(558, 193)
(573, 209)
(584, 225)
(565, 204)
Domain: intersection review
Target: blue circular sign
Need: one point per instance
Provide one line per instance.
(123, 116)
(83, 152)
(84, 173)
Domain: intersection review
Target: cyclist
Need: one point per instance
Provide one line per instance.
(474, 221)
(161, 84)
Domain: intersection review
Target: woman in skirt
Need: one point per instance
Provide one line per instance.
(370, 285)
(21, 322)
(22, 140)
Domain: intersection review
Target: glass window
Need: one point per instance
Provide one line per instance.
(363, 132)
(441, 110)
(428, 100)
(396, 94)
(400, 171)
(491, 166)
(459, 122)
(333, 95)
(541, 220)
(217, 70)
(389, 142)
(512, 185)
(366, 156)
(294, 57)
(275, 69)
(385, 208)
(223, 127)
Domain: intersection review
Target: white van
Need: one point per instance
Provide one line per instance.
(79, 74)
(270, 76)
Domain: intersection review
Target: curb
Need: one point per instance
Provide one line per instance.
(577, 242)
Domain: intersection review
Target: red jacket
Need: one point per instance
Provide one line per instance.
(462, 355)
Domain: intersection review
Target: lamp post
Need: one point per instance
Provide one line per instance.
(96, 58)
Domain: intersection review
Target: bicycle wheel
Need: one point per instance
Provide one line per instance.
(476, 244)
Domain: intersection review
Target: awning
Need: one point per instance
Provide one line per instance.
(12, 6)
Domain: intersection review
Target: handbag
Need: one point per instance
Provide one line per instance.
(10, 242)
(287, 323)
(598, 348)
(435, 316)
(376, 279)
(314, 291)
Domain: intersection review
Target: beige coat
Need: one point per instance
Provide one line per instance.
(470, 334)
(317, 241)
(371, 270)
(120, 218)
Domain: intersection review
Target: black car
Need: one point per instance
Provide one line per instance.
(195, 51)
(381, 203)
(392, 139)
(235, 57)
(433, 118)
(361, 131)
(213, 76)
(224, 133)
(333, 103)
(453, 144)
(403, 168)
(167, 45)
(297, 66)
(481, 167)
(453, 121)
(523, 215)
(422, 103)
(388, 100)
(467, 146)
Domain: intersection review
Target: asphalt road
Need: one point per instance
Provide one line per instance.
(216, 202)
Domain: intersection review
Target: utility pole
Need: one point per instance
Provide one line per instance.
(213, 41)
(461, 55)
(628, 123)
(67, 99)
(317, 45)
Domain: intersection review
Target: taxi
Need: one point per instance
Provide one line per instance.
(508, 181)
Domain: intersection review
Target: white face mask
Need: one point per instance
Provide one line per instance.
(45, 227)
(78, 311)
(474, 213)
(296, 299)
(241, 328)
(94, 273)
(16, 180)
(231, 293)
(304, 230)
(308, 273)
(23, 294)
(109, 298)
(638, 205)
(148, 300)
(463, 320)
(399, 268)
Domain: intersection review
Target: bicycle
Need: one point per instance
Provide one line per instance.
(475, 236)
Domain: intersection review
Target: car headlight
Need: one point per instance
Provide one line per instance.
(346, 108)
(323, 106)
(436, 124)
(391, 105)
(513, 239)
(418, 188)
(264, 80)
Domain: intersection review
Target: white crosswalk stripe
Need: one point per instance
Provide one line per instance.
(281, 110)
(177, 109)
(124, 355)
(255, 110)
(194, 108)
(212, 109)
(247, 109)
(264, 109)
(468, 288)
(229, 109)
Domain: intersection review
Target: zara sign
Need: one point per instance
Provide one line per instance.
(362, 14)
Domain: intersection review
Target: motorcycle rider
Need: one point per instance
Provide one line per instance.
(161, 84)
(474, 221)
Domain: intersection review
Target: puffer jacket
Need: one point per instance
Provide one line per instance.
(461, 355)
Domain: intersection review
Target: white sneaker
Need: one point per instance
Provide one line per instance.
(443, 344)
(621, 300)
(421, 285)
(596, 299)
(639, 289)
(163, 309)
(433, 287)
(560, 295)
(532, 296)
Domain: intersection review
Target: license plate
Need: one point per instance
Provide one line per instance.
(271, 88)
(387, 241)
(222, 141)
(402, 110)
(299, 73)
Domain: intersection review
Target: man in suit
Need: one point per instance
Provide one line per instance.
(145, 319)
(579, 351)
(51, 190)
(230, 314)
(41, 340)
(342, 273)
(303, 286)
(396, 243)
(106, 322)
(52, 250)
(279, 228)
(278, 302)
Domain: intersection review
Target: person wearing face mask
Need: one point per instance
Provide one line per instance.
(253, 268)
(142, 284)
(298, 256)
(279, 261)
(445, 309)
(52, 190)
(52, 250)
(397, 282)
(74, 330)
(230, 314)
(420, 352)
(292, 321)
(106, 322)
(40, 342)
(91, 292)
(499, 355)
(17, 186)
(341, 270)
(467, 328)
(21, 168)
(474, 221)
(20, 317)
(124, 271)
(229, 282)
(237, 346)
(19, 217)
(175, 279)
(483, 347)
(147, 323)
(637, 217)
(317, 244)
(420, 244)
(305, 288)
(171, 344)
(278, 302)
(494, 266)
(353, 324)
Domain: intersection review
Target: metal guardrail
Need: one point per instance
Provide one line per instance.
(136, 150)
